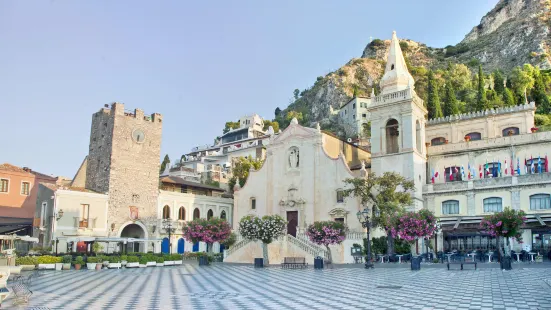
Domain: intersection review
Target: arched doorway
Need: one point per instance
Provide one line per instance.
(196, 213)
(181, 246)
(165, 245)
(210, 214)
(134, 231)
(223, 215)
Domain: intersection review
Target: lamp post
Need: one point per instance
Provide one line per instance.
(167, 225)
(363, 217)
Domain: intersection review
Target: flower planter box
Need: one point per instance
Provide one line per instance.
(46, 266)
(133, 265)
(58, 266)
(66, 266)
(123, 263)
(178, 262)
(115, 265)
(160, 264)
(77, 266)
(99, 266)
(151, 264)
(28, 267)
(91, 266)
(143, 266)
(169, 263)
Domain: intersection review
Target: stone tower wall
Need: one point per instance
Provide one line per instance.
(99, 152)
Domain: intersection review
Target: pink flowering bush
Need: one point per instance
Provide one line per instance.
(327, 233)
(414, 225)
(208, 231)
(507, 223)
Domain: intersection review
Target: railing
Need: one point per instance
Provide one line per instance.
(85, 223)
(402, 94)
(355, 235)
(238, 245)
(302, 242)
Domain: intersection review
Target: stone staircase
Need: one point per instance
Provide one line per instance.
(241, 242)
(302, 242)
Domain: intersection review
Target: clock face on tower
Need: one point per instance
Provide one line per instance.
(138, 136)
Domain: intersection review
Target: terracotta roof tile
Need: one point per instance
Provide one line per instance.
(12, 168)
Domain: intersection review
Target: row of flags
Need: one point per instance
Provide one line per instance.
(495, 169)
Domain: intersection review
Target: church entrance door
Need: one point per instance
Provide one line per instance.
(292, 222)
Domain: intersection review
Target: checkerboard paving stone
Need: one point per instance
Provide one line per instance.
(223, 286)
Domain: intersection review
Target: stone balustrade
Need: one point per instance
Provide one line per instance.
(465, 146)
(507, 181)
(478, 114)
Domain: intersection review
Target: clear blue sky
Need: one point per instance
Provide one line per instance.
(199, 63)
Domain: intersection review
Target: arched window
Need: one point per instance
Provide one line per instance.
(340, 195)
(392, 133)
(418, 141)
(196, 213)
(510, 131)
(223, 215)
(210, 214)
(182, 214)
(473, 136)
(437, 141)
(493, 204)
(535, 165)
(166, 212)
(253, 203)
(540, 202)
(450, 207)
(453, 174)
(491, 170)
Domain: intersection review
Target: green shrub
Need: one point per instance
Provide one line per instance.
(114, 259)
(143, 260)
(541, 120)
(124, 257)
(67, 259)
(132, 259)
(79, 261)
(48, 259)
(176, 257)
(93, 259)
(26, 260)
(160, 259)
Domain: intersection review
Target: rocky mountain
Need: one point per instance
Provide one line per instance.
(515, 32)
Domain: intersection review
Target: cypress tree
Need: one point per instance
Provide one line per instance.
(433, 101)
(539, 95)
(481, 95)
(165, 162)
(451, 106)
(499, 86)
(508, 98)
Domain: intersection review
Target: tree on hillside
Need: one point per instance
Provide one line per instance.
(274, 124)
(522, 80)
(451, 106)
(386, 196)
(433, 100)
(296, 92)
(481, 91)
(277, 111)
(508, 98)
(165, 162)
(241, 168)
(231, 125)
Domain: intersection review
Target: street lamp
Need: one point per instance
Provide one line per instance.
(363, 217)
(167, 225)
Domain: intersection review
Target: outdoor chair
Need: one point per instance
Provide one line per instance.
(479, 256)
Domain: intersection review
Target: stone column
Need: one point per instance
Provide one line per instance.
(515, 199)
(471, 204)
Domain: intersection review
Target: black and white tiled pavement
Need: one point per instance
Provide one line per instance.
(242, 287)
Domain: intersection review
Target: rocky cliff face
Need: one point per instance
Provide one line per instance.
(515, 32)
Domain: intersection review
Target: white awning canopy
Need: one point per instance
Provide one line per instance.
(15, 237)
(108, 239)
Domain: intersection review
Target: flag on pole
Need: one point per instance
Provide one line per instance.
(525, 166)
(539, 164)
(480, 171)
(432, 179)
(487, 169)
(512, 167)
(546, 164)
(473, 172)
(469, 171)
(498, 169)
(518, 166)
(451, 174)
(462, 172)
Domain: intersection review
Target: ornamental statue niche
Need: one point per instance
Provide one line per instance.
(294, 157)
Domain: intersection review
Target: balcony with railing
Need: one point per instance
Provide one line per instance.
(84, 223)
(488, 183)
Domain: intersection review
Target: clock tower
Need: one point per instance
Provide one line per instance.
(123, 161)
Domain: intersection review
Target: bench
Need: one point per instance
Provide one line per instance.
(462, 263)
(294, 262)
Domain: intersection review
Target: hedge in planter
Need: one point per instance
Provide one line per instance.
(26, 260)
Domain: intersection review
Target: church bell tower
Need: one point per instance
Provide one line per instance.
(398, 124)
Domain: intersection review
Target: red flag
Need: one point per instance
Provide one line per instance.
(512, 167)
(546, 165)
(480, 171)
(451, 174)
(506, 167)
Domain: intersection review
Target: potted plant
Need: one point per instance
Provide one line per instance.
(446, 141)
(151, 260)
(115, 262)
(124, 260)
(467, 138)
(143, 261)
(177, 258)
(510, 132)
(47, 262)
(66, 260)
(534, 129)
(132, 261)
(79, 261)
(92, 262)
(105, 261)
(160, 261)
(168, 259)
(26, 262)
(58, 263)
